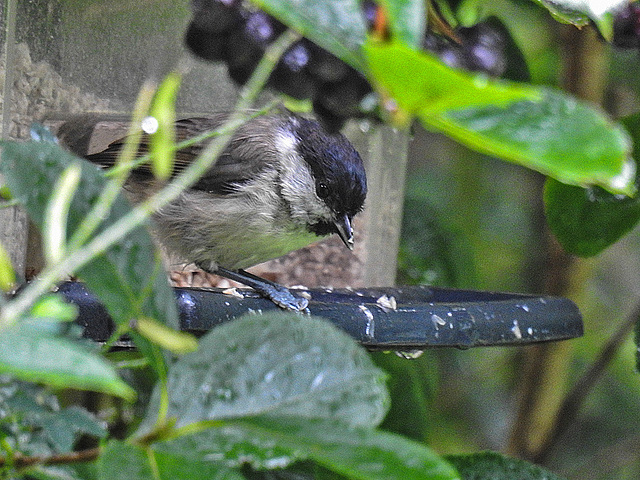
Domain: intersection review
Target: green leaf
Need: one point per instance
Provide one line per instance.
(422, 84)
(538, 128)
(586, 221)
(51, 472)
(580, 12)
(278, 363)
(123, 461)
(178, 467)
(7, 274)
(54, 228)
(163, 139)
(53, 307)
(408, 20)
(173, 340)
(30, 351)
(64, 426)
(272, 442)
(128, 278)
(32, 422)
(563, 14)
(129, 462)
(335, 25)
(493, 466)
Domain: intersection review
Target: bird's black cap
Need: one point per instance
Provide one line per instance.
(337, 167)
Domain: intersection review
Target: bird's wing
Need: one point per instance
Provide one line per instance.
(100, 141)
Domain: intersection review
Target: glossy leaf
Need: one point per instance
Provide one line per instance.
(563, 14)
(408, 20)
(271, 442)
(122, 461)
(588, 220)
(336, 25)
(52, 472)
(421, 84)
(64, 426)
(538, 128)
(277, 363)
(125, 461)
(596, 9)
(128, 277)
(33, 420)
(581, 12)
(493, 466)
(34, 352)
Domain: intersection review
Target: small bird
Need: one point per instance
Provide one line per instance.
(282, 183)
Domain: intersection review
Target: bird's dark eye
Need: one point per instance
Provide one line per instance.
(322, 190)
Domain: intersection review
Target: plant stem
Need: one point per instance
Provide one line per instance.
(545, 377)
(576, 397)
(101, 209)
(20, 461)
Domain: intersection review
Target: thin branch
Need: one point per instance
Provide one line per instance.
(20, 461)
(575, 398)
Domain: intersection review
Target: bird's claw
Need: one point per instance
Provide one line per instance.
(287, 300)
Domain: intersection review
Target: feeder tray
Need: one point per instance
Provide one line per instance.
(403, 319)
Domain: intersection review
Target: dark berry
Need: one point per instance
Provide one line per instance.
(206, 45)
(446, 50)
(240, 73)
(291, 76)
(343, 98)
(325, 66)
(481, 58)
(248, 44)
(626, 27)
(331, 121)
(369, 11)
(216, 16)
(452, 56)
(483, 49)
(480, 34)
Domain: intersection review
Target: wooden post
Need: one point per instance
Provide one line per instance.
(386, 153)
(13, 220)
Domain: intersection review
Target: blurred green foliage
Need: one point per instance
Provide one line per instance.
(470, 222)
(473, 222)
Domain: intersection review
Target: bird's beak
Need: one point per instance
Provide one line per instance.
(343, 225)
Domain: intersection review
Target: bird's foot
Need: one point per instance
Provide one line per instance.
(278, 294)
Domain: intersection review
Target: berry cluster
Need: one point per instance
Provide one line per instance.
(479, 48)
(226, 30)
(626, 27)
(232, 32)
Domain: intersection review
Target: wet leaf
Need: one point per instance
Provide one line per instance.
(408, 20)
(129, 462)
(588, 220)
(336, 25)
(541, 129)
(269, 442)
(493, 466)
(33, 351)
(128, 277)
(277, 363)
